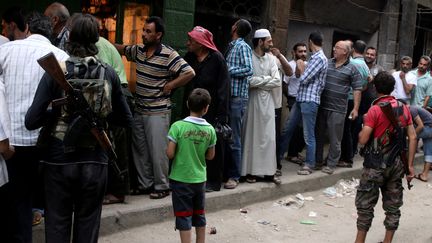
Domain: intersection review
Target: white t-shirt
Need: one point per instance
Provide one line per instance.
(293, 82)
(399, 91)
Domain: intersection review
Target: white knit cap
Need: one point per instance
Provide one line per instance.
(262, 33)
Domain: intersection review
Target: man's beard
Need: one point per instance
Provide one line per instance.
(405, 69)
(301, 57)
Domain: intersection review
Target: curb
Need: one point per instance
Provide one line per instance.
(140, 210)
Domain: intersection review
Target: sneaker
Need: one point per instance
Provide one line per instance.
(231, 183)
(327, 170)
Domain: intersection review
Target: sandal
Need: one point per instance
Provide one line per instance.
(159, 194)
(305, 170)
(419, 177)
(276, 180)
(251, 179)
(111, 199)
(327, 170)
(344, 164)
(278, 172)
(296, 159)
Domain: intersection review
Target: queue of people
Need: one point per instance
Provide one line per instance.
(232, 132)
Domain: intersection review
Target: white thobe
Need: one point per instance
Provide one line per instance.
(259, 132)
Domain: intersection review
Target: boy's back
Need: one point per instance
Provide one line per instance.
(193, 136)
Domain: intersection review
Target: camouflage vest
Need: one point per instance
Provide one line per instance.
(73, 131)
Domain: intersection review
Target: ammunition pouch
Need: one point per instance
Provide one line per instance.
(380, 158)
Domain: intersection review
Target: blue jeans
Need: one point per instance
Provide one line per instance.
(426, 136)
(306, 112)
(238, 109)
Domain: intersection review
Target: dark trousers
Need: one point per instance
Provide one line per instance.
(16, 196)
(118, 185)
(297, 142)
(78, 190)
(347, 152)
(215, 167)
(278, 120)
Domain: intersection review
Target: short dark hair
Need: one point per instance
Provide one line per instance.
(158, 22)
(255, 41)
(317, 38)
(359, 46)
(17, 15)
(372, 48)
(297, 45)
(39, 24)
(406, 58)
(198, 100)
(426, 58)
(83, 35)
(243, 28)
(384, 82)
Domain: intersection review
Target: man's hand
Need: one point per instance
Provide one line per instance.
(353, 115)
(275, 52)
(402, 75)
(9, 152)
(411, 174)
(300, 66)
(168, 88)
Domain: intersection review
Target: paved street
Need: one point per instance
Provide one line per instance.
(270, 221)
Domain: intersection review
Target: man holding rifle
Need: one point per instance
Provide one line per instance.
(384, 137)
(75, 147)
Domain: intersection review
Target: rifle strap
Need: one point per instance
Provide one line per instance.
(86, 61)
(397, 112)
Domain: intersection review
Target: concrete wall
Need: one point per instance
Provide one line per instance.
(388, 35)
(299, 32)
(276, 20)
(179, 18)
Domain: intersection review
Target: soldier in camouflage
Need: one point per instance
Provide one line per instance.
(387, 177)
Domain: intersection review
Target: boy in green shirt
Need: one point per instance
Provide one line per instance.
(191, 141)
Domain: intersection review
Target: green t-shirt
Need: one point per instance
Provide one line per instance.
(109, 54)
(193, 136)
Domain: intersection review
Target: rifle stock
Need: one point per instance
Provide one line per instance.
(387, 109)
(50, 64)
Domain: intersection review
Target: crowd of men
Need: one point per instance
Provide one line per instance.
(246, 83)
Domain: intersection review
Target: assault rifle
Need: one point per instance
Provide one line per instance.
(76, 99)
(387, 109)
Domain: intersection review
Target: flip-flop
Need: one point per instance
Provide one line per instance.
(419, 177)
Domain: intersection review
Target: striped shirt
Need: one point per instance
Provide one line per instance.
(62, 38)
(239, 61)
(20, 74)
(338, 83)
(153, 73)
(312, 81)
